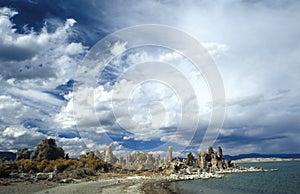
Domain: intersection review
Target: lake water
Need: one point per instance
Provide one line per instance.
(285, 180)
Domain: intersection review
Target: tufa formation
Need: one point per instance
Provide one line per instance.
(47, 150)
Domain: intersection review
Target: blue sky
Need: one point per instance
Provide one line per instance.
(255, 45)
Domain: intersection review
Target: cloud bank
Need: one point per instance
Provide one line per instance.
(254, 43)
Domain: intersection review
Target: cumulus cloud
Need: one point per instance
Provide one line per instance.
(33, 55)
(13, 138)
(14, 134)
(32, 66)
(254, 44)
(18, 47)
(136, 103)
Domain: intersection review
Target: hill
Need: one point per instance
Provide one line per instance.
(256, 155)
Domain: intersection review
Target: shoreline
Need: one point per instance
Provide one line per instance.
(131, 183)
(143, 182)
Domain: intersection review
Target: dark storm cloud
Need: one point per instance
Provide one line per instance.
(239, 139)
(12, 53)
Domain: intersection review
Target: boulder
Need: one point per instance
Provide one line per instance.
(42, 176)
(47, 150)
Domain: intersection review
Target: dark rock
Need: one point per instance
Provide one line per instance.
(47, 150)
(23, 154)
(190, 159)
(220, 151)
(210, 150)
(202, 163)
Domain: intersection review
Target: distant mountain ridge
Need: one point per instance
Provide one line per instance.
(256, 155)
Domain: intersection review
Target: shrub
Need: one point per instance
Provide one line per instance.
(50, 167)
(60, 167)
(93, 162)
(4, 170)
(42, 165)
(26, 165)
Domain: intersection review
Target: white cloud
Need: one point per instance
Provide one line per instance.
(254, 45)
(32, 65)
(12, 111)
(215, 49)
(72, 146)
(16, 137)
(153, 109)
(65, 117)
(18, 47)
(36, 55)
(118, 48)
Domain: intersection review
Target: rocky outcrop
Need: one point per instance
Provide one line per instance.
(109, 156)
(207, 161)
(202, 162)
(23, 154)
(220, 151)
(157, 160)
(47, 150)
(140, 161)
(100, 155)
(211, 160)
(190, 159)
(169, 155)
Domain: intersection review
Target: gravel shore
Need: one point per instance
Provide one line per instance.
(115, 183)
(132, 184)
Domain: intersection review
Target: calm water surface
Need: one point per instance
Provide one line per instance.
(285, 180)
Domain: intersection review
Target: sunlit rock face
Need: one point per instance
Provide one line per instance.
(202, 162)
(109, 156)
(206, 161)
(169, 155)
(140, 161)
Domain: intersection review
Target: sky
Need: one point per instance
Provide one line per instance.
(46, 45)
